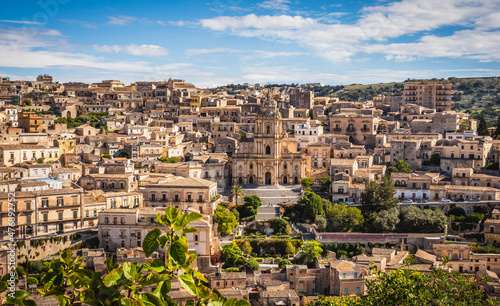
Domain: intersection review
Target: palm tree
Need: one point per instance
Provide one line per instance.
(237, 191)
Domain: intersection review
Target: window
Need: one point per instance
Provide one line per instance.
(95, 212)
(75, 214)
(87, 214)
(357, 290)
(268, 150)
(45, 217)
(200, 198)
(345, 291)
(60, 202)
(60, 215)
(45, 203)
(195, 237)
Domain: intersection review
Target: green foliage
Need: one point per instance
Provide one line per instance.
(32, 280)
(170, 160)
(412, 287)
(290, 248)
(249, 209)
(482, 126)
(320, 223)
(226, 220)
(343, 218)
(236, 192)
(306, 182)
(232, 254)
(39, 160)
(67, 279)
(325, 183)
(251, 265)
(284, 263)
(27, 102)
(378, 197)
(401, 166)
(472, 218)
(308, 207)
(124, 154)
(492, 166)
(384, 221)
(246, 247)
(464, 125)
(106, 155)
(488, 248)
(415, 220)
(310, 251)
(279, 226)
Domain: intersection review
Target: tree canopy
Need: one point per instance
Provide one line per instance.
(377, 197)
(482, 126)
(343, 218)
(309, 206)
(226, 220)
(412, 287)
(67, 279)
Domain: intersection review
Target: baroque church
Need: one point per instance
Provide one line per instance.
(270, 157)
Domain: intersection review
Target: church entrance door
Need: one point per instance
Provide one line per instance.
(285, 180)
(268, 178)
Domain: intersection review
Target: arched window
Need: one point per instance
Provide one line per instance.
(285, 166)
(251, 166)
(268, 150)
(268, 129)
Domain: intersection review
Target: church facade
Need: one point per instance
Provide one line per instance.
(270, 157)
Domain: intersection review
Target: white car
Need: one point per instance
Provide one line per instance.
(445, 200)
(349, 203)
(408, 201)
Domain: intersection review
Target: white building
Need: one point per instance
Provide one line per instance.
(306, 134)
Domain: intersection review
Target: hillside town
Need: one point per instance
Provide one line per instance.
(301, 196)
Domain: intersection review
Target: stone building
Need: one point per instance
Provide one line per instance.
(268, 158)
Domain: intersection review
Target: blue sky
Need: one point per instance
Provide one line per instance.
(235, 41)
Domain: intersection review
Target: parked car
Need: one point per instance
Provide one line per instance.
(460, 200)
(422, 201)
(408, 201)
(349, 203)
(445, 200)
(52, 234)
(27, 237)
(475, 199)
(60, 233)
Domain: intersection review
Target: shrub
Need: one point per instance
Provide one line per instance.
(32, 281)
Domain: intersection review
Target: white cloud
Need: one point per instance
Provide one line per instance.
(281, 5)
(133, 49)
(21, 22)
(341, 41)
(121, 20)
(192, 52)
(80, 23)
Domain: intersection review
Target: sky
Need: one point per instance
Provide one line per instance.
(235, 41)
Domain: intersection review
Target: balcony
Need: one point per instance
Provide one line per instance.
(351, 131)
(336, 130)
(365, 130)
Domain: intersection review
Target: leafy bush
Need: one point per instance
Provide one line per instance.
(32, 281)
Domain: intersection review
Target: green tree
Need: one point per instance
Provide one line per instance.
(385, 221)
(310, 251)
(236, 192)
(226, 221)
(27, 102)
(497, 131)
(251, 265)
(320, 223)
(279, 226)
(343, 218)
(290, 248)
(309, 206)
(246, 247)
(482, 126)
(415, 220)
(325, 183)
(249, 208)
(67, 279)
(232, 254)
(283, 263)
(464, 125)
(169, 160)
(306, 182)
(403, 166)
(378, 197)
